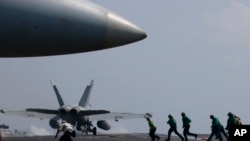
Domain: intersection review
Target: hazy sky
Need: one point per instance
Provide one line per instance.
(194, 60)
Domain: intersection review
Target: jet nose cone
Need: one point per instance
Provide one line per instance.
(120, 31)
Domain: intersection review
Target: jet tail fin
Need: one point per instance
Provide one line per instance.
(86, 94)
(58, 96)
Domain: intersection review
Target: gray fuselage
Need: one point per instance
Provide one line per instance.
(55, 27)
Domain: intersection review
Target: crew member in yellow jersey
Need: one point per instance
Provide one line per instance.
(152, 130)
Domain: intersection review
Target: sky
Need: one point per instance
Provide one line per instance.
(195, 60)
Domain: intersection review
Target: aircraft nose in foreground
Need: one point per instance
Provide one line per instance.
(120, 31)
(56, 27)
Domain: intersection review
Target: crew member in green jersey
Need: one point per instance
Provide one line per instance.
(173, 128)
(216, 128)
(231, 120)
(152, 129)
(186, 126)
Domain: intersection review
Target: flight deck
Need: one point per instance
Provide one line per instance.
(109, 137)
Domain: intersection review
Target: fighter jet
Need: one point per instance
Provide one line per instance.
(80, 116)
(56, 27)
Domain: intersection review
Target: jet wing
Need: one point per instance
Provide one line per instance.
(94, 112)
(47, 113)
(116, 116)
(38, 113)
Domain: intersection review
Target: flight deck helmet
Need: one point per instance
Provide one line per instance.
(212, 116)
(170, 116)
